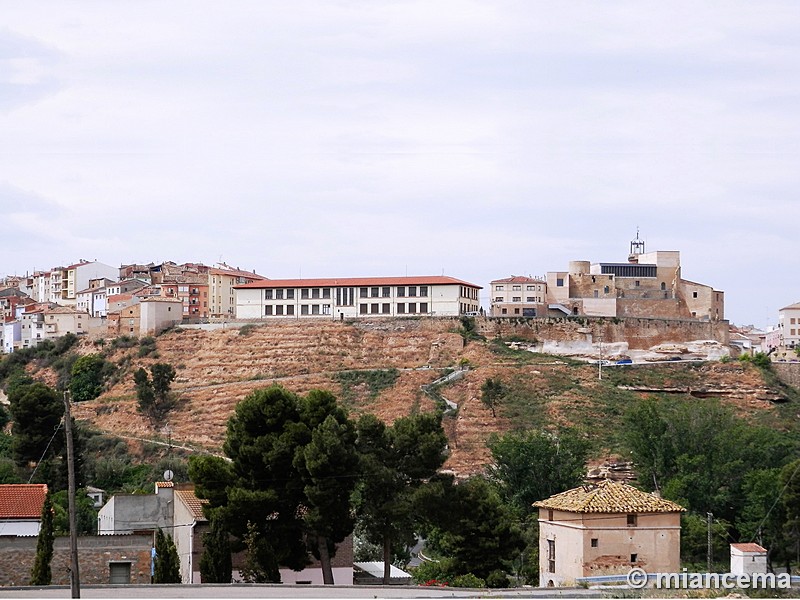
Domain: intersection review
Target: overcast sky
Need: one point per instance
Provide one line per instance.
(475, 139)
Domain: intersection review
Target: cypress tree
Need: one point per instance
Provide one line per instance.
(216, 564)
(41, 574)
(167, 567)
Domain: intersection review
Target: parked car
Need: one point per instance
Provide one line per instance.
(624, 361)
(674, 358)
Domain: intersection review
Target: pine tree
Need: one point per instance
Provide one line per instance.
(215, 564)
(41, 574)
(167, 567)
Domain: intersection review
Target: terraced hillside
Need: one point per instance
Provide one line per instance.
(381, 367)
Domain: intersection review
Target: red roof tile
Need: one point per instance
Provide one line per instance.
(750, 548)
(235, 273)
(22, 500)
(355, 282)
(519, 279)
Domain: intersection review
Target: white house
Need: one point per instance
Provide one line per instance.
(748, 559)
(789, 325)
(21, 508)
(350, 297)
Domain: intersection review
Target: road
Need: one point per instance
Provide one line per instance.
(277, 591)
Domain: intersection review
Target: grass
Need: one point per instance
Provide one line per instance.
(375, 381)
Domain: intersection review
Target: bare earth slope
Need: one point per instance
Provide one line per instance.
(217, 369)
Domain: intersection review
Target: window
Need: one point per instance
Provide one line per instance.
(386, 292)
(423, 307)
(268, 310)
(374, 292)
(792, 321)
(606, 289)
(516, 311)
(326, 293)
(504, 311)
(290, 309)
(315, 293)
(304, 294)
(374, 307)
(401, 292)
(559, 282)
(694, 294)
(267, 294)
(594, 542)
(530, 299)
(632, 520)
(278, 294)
(516, 288)
(363, 292)
(596, 293)
(551, 556)
(401, 308)
(315, 309)
(516, 299)
(423, 291)
(290, 294)
(304, 309)
(326, 309)
(412, 307)
(529, 288)
(362, 309)
(412, 290)
(279, 310)
(636, 283)
(499, 288)
(498, 299)
(634, 557)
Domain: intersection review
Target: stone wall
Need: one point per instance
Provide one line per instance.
(94, 555)
(788, 373)
(639, 333)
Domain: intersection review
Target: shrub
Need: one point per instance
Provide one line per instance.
(469, 581)
(497, 579)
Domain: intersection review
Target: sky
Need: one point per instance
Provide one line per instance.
(476, 139)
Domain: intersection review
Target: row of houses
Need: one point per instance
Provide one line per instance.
(593, 531)
(134, 299)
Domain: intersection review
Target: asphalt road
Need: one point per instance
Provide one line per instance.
(151, 592)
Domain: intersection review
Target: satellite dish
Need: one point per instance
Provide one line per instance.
(168, 475)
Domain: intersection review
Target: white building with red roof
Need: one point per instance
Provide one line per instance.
(21, 508)
(222, 280)
(352, 297)
(518, 296)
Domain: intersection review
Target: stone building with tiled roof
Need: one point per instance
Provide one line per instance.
(604, 529)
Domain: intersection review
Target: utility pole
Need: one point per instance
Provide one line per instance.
(710, 555)
(74, 573)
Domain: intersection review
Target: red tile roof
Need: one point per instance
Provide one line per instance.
(193, 503)
(355, 282)
(22, 500)
(235, 273)
(608, 496)
(750, 548)
(519, 279)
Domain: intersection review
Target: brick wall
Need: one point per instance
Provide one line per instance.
(94, 554)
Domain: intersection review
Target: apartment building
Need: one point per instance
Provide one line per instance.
(789, 325)
(518, 296)
(75, 278)
(350, 297)
(222, 280)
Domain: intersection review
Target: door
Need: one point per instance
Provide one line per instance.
(119, 573)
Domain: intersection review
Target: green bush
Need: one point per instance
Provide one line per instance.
(497, 579)
(147, 346)
(468, 581)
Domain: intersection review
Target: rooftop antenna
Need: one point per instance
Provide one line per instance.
(637, 248)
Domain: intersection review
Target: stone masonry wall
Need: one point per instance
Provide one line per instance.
(94, 554)
(789, 373)
(639, 333)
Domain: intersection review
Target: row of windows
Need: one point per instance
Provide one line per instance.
(411, 291)
(468, 292)
(519, 299)
(518, 288)
(403, 308)
(305, 294)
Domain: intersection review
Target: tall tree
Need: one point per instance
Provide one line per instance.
(396, 462)
(492, 393)
(288, 483)
(533, 465)
(163, 375)
(215, 563)
(167, 567)
(41, 574)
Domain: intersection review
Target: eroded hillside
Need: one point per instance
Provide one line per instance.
(217, 369)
